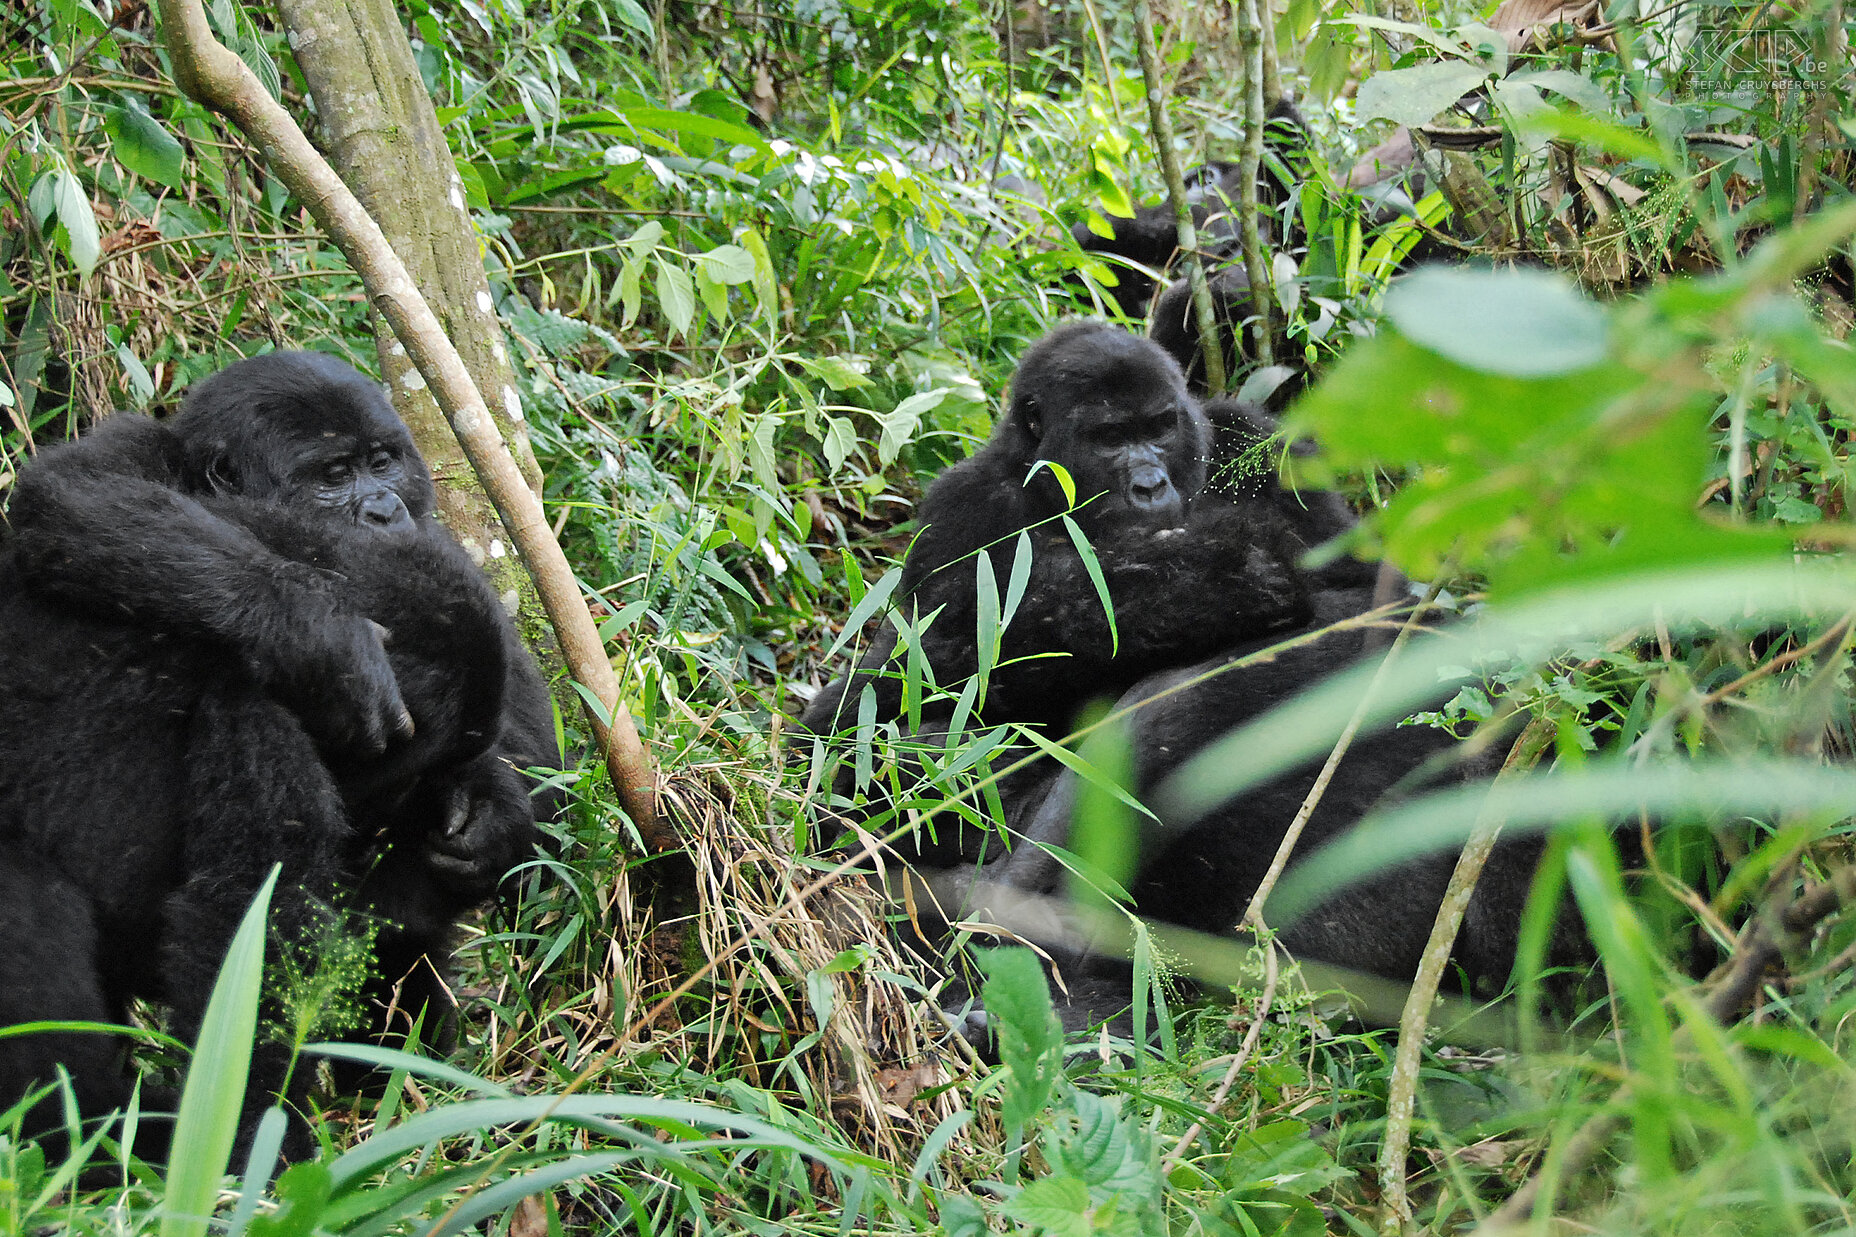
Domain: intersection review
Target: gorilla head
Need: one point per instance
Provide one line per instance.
(307, 432)
(1112, 409)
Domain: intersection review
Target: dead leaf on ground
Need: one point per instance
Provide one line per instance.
(900, 1086)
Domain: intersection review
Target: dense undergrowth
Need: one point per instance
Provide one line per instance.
(761, 279)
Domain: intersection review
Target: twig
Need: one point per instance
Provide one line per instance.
(1837, 631)
(1253, 914)
(1250, 167)
(1211, 346)
(1394, 1204)
(213, 76)
(1249, 1046)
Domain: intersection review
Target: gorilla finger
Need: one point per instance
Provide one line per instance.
(458, 807)
(457, 870)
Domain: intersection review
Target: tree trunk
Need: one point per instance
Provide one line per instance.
(210, 74)
(381, 133)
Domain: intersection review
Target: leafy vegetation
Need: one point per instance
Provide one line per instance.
(763, 274)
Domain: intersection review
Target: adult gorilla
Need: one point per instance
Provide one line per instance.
(227, 640)
(1202, 873)
(1143, 247)
(1195, 543)
(1190, 569)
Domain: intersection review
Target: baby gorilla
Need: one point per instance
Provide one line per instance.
(229, 640)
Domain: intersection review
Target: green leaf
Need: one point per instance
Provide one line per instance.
(214, 1093)
(900, 422)
(680, 1118)
(1528, 323)
(865, 610)
(1104, 835)
(1019, 580)
(985, 615)
(411, 1062)
(649, 234)
(766, 284)
(142, 383)
(761, 456)
(1115, 1157)
(714, 295)
(1087, 553)
(839, 441)
(304, 1190)
(690, 123)
(60, 194)
(630, 294)
(675, 295)
(1017, 997)
(1414, 96)
(141, 144)
(1575, 86)
(632, 14)
(728, 264)
(835, 372)
(1065, 482)
(1057, 1205)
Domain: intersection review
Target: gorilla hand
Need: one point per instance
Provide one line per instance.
(487, 826)
(330, 669)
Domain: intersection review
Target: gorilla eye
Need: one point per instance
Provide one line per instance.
(381, 460)
(335, 473)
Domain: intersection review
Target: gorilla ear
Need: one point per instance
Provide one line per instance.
(219, 474)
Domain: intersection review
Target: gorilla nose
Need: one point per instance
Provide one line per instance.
(385, 511)
(1151, 489)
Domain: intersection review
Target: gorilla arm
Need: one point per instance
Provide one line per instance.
(1180, 595)
(105, 524)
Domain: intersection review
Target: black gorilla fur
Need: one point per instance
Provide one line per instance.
(235, 638)
(1202, 874)
(1191, 568)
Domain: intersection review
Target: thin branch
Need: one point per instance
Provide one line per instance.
(210, 74)
(1211, 345)
(1394, 1204)
(1250, 167)
(1244, 1051)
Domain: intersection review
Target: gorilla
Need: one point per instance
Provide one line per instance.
(228, 640)
(1174, 325)
(1191, 567)
(1197, 547)
(1202, 873)
(1144, 246)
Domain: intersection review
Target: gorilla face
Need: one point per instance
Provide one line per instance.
(359, 478)
(1112, 410)
(308, 432)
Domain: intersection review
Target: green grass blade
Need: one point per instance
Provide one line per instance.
(215, 1090)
